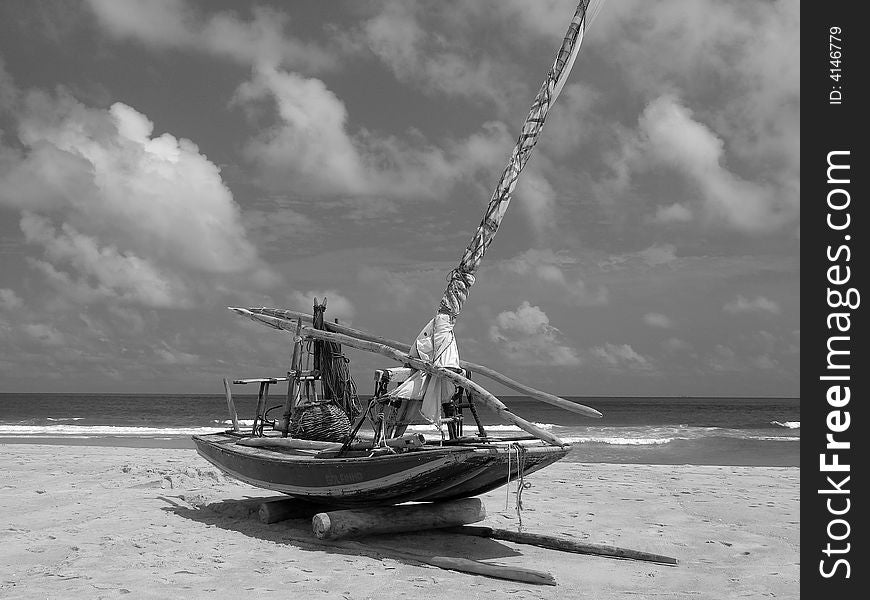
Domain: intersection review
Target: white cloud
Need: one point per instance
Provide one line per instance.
(536, 198)
(652, 256)
(418, 52)
(437, 47)
(398, 290)
(658, 254)
(620, 355)
(548, 269)
(9, 300)
(725, 359)
(741, 151)
(673, 345)
(146, 219)
(673, 213)
(526, 337)
(176, 24)
(657, 320)
(172, 356)
(44, 333)
(670, 135)
(310, 137)
(310, 146)
(277, 223)
(760, 304)
(114, 274)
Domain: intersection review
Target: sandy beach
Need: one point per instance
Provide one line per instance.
(109, 522)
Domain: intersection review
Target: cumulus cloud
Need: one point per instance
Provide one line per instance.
(176, 24)
(44, 333)
(397, 290)
(657, 320)
(310, 138)
(114, 274)
(620, 356)
(548, 269)
(526, 337)
(658, 254)
(8, 90)
(673, 345)
(276, 224)
(752, 49)
(737, 65)
(652, 256)
(437, 46)
(668, 135)
(118, 211)
(673, 213)
(310, 146)
(9, 300)
(741, 304)
(536, 197)
(418, 52)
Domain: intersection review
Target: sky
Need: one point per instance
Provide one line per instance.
(162, 160)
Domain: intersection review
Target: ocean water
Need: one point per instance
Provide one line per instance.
(713, 431)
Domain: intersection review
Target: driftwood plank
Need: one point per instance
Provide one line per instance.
(463, 565)
(291, 385)
(231, 406)
(554, 543)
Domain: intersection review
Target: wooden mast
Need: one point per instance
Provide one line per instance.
(461, 278)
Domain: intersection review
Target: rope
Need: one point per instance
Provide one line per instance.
(521, 483)
(507, 488)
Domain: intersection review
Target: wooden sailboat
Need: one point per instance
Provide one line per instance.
(326, 448)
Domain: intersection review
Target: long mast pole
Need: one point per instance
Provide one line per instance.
(461, 278)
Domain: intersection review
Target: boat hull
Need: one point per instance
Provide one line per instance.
(430, 474)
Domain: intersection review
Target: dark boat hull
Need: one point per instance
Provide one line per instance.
(430, 474)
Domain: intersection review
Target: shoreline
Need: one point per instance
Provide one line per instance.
(158, 523)
(631, 455)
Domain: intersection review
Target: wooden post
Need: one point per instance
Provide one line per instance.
(554, 543)
(463, 565)
(292, 380)
(231, 405)
(339, 524)
(261, 401)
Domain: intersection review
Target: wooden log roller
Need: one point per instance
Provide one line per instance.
(340, 524)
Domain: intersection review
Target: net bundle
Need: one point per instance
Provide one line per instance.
(336, 379)
(322, 420)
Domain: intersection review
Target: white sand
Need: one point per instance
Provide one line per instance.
(87, 522)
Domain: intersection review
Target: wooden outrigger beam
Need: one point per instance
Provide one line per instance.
(531, 392)
(554, 543)
(475, 389)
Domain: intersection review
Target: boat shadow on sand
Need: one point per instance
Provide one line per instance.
(241, 516)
